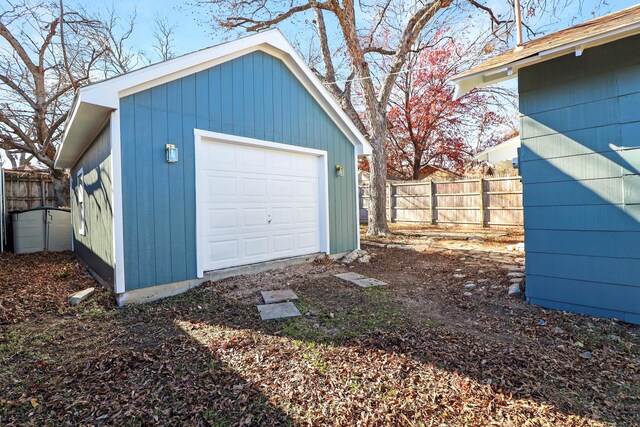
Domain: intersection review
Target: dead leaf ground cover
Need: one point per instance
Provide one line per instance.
(35, 284)
(418, 352)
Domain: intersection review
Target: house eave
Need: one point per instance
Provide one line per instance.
(85, 120)
(466, 82)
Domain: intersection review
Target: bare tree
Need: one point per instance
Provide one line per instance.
(163, 38)
(46, 53)
(360, 25)
(18, 159)
(120, 57)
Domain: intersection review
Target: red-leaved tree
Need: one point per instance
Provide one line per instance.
(427, 125)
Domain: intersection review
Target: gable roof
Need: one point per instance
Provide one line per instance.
(93, 104)
(595, 32)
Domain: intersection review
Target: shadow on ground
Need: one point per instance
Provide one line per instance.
(416, 352)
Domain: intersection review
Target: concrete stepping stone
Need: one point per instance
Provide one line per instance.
(368, 283)
(279, 310)
(281, 295)
(350, 276)
(360, 280)
(78, 297)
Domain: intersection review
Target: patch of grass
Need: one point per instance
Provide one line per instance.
(93, 310)
(429, 323)
(301, 330)
(392, 392)
(303, 305)
(213, 417)
(11, 343)
(376, 294)
(381, 319)
(355, 384)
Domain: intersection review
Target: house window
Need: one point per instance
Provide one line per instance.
(80, 204)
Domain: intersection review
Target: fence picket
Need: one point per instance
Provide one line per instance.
(486, 202)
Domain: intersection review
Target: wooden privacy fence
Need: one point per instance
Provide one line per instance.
(486, 202)
(27, 189)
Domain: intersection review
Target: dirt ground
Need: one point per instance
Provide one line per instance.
(416, 352)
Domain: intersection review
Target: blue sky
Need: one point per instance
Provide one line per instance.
(194, 30)
(193, 33)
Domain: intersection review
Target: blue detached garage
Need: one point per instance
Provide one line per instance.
(229, 156)
(580, 160)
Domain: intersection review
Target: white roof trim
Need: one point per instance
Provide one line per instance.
(505, 72)
(108, 93)
(514, 140)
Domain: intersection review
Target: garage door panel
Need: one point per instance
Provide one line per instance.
(256, 246)
(282, 216)
(222, 218)
(251, 158)
(280, 162)
(254, 187)
(220, 186)
(259, 204)
(219, 157)
(224, 250)
(308, 240)
(306, 215)
(306, 166)
(282, 188)
(306, 189)
(255, 217)
(283, 243)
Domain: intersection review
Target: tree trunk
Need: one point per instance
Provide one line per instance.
(61, 187)
(378, 183)
(416, 168)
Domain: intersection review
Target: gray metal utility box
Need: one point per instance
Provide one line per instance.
(41, 229)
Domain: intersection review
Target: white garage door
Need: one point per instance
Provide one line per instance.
(256, 204)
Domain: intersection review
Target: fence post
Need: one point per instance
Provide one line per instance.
(432, 202)
(482, 220)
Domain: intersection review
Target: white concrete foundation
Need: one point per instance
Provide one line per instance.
(152, 293)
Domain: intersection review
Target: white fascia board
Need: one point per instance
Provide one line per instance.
(494, 75)
(74, 111)
(109, 92)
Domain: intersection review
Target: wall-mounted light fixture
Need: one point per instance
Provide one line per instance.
(339, 170)
(172, 153)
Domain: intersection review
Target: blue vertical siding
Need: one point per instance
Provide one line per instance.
(581, 190)
(95, 246)
(253, 96)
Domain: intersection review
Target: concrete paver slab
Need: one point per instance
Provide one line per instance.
(350, 276)
(281, 295)
(278, 311)
(368, 282)
(78, 297)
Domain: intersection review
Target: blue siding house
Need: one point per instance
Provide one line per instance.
(226, 157)
(580, 163)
